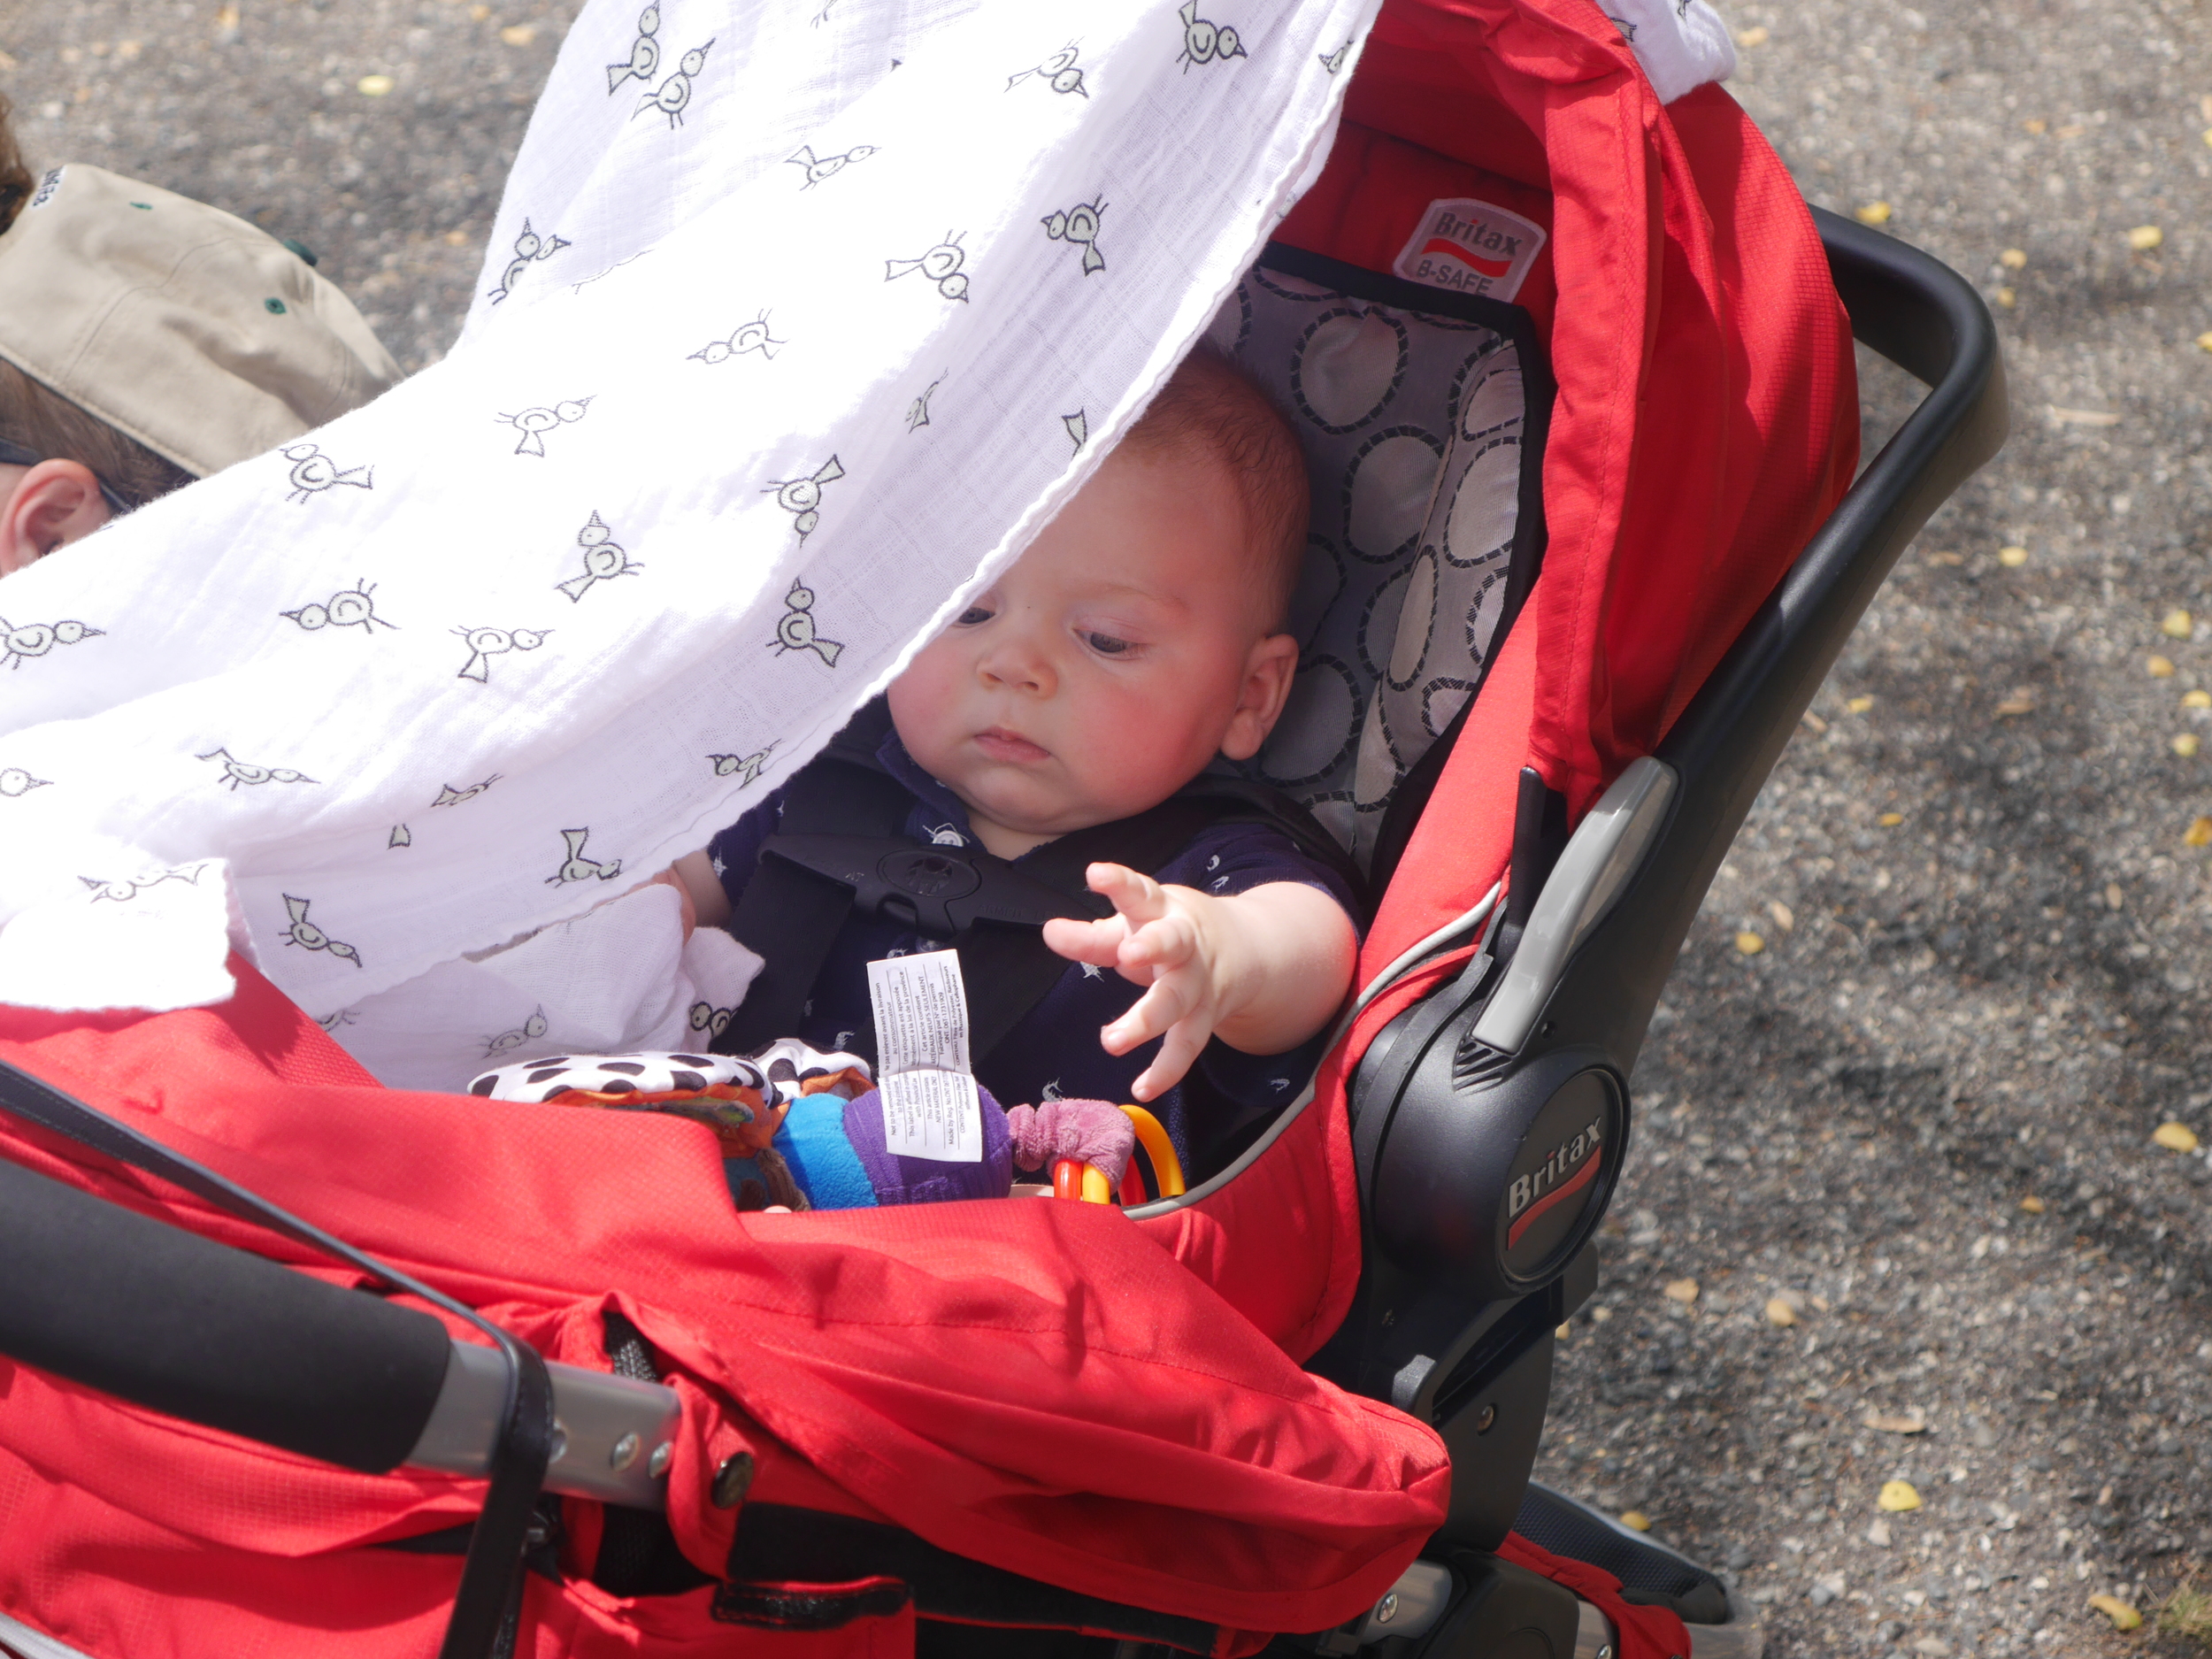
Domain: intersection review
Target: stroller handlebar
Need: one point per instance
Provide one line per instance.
(221, 1337)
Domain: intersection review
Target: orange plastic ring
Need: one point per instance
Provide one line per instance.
(1167, 1169)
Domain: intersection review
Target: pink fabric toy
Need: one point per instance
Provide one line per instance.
(1096, 1131)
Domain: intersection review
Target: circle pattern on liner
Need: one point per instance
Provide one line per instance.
(1318, 726)
(1348, 367)
(1387, 489)
(1417, 621)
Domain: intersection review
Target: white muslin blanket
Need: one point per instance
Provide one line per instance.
(799, 320)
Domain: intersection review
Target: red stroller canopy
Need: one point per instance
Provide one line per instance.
(1113, 1407)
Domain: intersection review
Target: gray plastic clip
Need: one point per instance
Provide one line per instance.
(1601, 854)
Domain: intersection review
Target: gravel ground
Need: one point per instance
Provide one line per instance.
(1914, 1120)
(1917, 1111)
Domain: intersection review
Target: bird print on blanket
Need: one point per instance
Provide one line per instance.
(486, 643)
(1059, 72)
(752, 337)
(745, 768)
(1205, 41)
(795, 632)
(603, 560)
(449, 796)
(941, 267)
(536, 422)
(1077, 226)
(313, 473)
(36, 638)
(124, 892)
(239, 771)
(673, 97)
(353, 607)
(16, 783)
(508, 1042)
(644, 60)
(801, 498)
(917, 411)
(576, 867)
(828, 166)
(308, 936)
(529, 248)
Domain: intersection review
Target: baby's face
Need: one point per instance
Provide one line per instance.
(1124, 650)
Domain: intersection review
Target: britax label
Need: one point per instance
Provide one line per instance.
(1567, 1169)
(1471, 247)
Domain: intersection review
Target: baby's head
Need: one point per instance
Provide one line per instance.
(1138, 637)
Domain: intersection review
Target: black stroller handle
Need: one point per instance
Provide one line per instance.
(228, 1339)
(193, 1329)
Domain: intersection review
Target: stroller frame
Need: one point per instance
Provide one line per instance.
(124, 1304)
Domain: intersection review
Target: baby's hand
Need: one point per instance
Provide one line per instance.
(1263, 969)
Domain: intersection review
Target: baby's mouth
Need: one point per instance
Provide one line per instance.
(1001, 744)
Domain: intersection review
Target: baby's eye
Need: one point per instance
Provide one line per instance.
(972, 615)
(1106, 644)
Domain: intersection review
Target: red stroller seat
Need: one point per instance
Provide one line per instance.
(1041, 1416)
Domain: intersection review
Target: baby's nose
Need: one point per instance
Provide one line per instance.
(1016, 664)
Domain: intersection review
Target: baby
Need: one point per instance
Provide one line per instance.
(1138, 638)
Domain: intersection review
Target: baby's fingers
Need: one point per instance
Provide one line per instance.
(1135, 895)
(1158, 948)
(1178, 1051)
(1168, 998)
(1098, 942)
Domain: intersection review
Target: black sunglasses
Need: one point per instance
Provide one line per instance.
(16, 455)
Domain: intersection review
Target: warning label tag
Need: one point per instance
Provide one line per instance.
(1471, 247)
(931, 1108)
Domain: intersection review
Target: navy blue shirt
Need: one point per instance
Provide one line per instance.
(1054, 1052)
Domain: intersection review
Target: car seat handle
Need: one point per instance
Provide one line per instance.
(1600, 857)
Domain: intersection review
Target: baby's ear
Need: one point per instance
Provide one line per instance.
(1268, 670)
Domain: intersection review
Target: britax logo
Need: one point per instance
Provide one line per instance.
(1566, 1169)
(1471, 247)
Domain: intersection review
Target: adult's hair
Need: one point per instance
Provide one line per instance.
(44, 422)
(1209, 403)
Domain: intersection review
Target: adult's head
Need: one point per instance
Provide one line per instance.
(147, 340)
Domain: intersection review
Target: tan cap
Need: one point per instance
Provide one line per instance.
(192, 332)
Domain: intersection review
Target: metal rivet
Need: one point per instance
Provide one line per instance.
(560, 1442)
(1484, 1419)
(732, 1480)
(624, 1452)
(663, 1454)
(1606, 1652)
(1387, 1608)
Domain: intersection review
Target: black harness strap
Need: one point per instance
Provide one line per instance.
(789, 915)
(841, 849)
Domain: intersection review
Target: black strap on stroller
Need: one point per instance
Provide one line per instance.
(840, 852)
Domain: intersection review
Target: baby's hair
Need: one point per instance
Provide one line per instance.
(48, 425)
(1209, 402)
